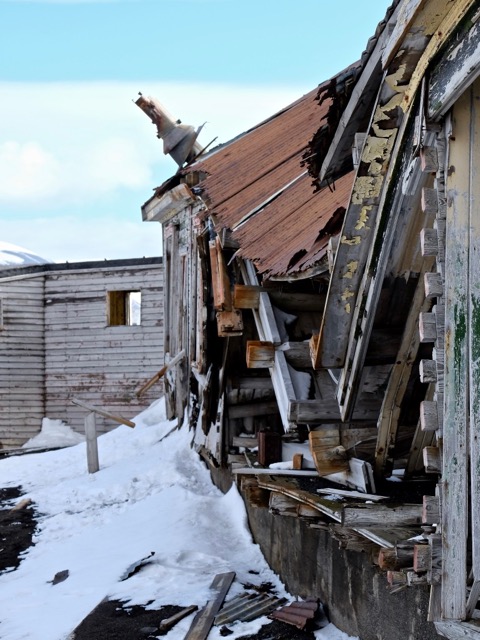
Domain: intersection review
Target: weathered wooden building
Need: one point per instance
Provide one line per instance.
(346, 311)
(91, 330)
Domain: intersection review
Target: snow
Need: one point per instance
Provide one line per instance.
(13, 256)
(152, 494)
(54, 433)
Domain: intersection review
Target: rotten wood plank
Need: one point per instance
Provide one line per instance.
(364, 219)
(379, 515)
(456, 70)
(203, 621)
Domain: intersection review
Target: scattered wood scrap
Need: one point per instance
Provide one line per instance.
(168, 623)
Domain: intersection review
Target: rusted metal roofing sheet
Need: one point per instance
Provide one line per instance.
(291, 234)
(246, 607)
(257, 187)
(298, 614)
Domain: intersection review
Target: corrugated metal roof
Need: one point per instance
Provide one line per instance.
(246, 607)
(259, 176)
(298, 614)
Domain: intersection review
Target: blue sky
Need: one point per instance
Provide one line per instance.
(78, 158)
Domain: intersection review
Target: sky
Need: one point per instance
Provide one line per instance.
(78, 158)
(97, 526)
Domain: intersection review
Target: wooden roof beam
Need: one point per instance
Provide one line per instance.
(357, 108)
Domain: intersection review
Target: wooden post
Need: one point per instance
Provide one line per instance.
(92, 447)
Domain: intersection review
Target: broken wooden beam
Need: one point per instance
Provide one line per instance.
(328, 454)
(168, 623)
(260, 354)
(101, 412)
(246, 296)
(159, 375)
(375, 515)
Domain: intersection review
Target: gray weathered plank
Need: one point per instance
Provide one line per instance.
(203, 620)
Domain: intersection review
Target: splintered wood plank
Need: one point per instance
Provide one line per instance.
(203, 621)
(458, 66)
(454, 477)
(474, 347)
(290, 488)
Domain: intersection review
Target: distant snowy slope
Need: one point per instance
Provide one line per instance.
(13, 256)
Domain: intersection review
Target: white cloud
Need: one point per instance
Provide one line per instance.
(67, 239)
(27, 171)
(87, 148)
(88, 138)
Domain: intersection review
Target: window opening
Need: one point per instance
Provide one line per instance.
(124, 308)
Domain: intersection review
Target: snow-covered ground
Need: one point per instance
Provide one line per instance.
(152, 493)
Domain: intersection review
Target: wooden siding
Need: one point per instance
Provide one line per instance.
(90, 360)
(22, 359)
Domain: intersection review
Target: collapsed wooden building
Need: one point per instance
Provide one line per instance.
(85, 330)
(322, 277)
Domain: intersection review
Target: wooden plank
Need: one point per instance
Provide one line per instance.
(255, 382)
(405, 18)
(267, 318)
(103, 413)
(388, 421)
(365, 217)
(457, 69)
(474, 344)
(267, 330)
(246, 296)
(454, 478)
(358, 105)
(260, 354)
(290, 488)
(458, 630)
(203, 620)
(297, 354)
(236, 411)
(354, 495)
(257, 471)
(326, 410)
(375, 515)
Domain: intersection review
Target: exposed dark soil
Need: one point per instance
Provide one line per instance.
(114, 620)
(16, 529)
(111, 619)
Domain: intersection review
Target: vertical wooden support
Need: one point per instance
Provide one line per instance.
(92, 446)
(454, 480)
(474, 344)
